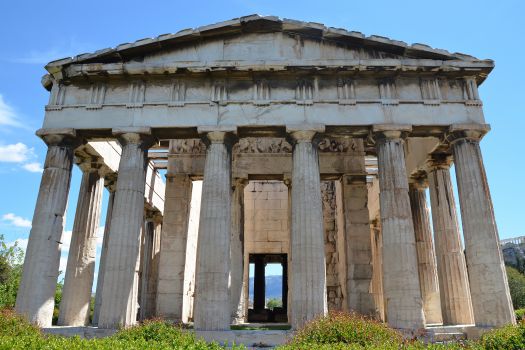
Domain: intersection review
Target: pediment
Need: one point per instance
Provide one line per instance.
(257, 38)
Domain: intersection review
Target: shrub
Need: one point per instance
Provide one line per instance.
(519, 313)
(506, 338)
(516, 287)
(340, 328)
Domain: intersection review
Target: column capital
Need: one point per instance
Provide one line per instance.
(110, 182)
(225, 134)
(468, 132)
(303, 133)
(418, 182)
(439, 161)
(141, 136)
(390, 131)
(60, 137)
(239, 182)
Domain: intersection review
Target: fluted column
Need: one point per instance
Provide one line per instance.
(307, 236)
(103, 255)
(119, 303)
(456, 305)
(212, 293)
(237, 252)
(149, 265)
(426, 257)
(489, 289)
(403, 303)
(78, 282)
(358, 244)
(36, 294)
(170, 290)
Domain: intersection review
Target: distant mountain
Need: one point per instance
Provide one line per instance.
(273, 287)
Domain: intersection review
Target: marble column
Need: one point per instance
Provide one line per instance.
(426, 257)
(36, 293)
(172, 260)
(489, 289)
(358, 244)
(80, 271)
(212, 293)
(119, 303)
(377, 262)
(456, 305)
(103, 254)
(150, 265)
(237, 252)
(403, 302)
(308, 283)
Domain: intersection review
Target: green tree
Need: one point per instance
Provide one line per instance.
(273, 303)
(11, 260)
(517, 287)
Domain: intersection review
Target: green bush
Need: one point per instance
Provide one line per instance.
(345, 328)
(506, 338)
(519, 313)
(16, 333)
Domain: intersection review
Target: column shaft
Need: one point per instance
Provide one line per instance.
(119, 293)
(307, 236)
(212, 294)
(174, 237)
(452, 270)
(78, 282)
(426, 258)
(103, 257)
(489, 289)
(259, 284)
(149, 268)
(36, 294)
(237, 252)
(358, 245)
(403, 303)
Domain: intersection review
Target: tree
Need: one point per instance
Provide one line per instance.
(11, 260)
(517, 287)
(272, 303)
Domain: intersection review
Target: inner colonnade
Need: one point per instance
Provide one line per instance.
(315, 146)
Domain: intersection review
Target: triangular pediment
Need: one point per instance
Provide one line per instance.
(253, 38)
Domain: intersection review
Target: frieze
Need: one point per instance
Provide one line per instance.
(262, 145)
(187, 146)
(336, 145)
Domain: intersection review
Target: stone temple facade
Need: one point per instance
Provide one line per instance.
(315, 147)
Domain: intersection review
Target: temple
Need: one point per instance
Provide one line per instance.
(315, 147)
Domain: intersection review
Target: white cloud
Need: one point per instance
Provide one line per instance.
(20, 242)
(34, 167)
(16, 220)
(15, 153)
(7, 114)
(66, 240)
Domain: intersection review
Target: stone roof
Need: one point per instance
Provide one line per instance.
(259, 24)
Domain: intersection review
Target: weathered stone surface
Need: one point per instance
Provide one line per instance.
(173, 247)
(456, 304)
(36, 294)
(212, 295)
(308, 283)
(78, 282)
(103, 257)
(150, 266)
(426, 257)
(119, 293)
(403, 303)
(358, 245)
(238, 311)
(489, 289)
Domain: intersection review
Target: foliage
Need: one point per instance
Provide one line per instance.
(519, 313)
(11, 259)
(346, 328)
(509, 338)
(58, 299)
(272, 303)
(517, 287)
(16, 333)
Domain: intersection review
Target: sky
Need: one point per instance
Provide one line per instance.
(36, 32)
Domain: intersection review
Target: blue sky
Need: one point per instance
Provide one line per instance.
(35, 32)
